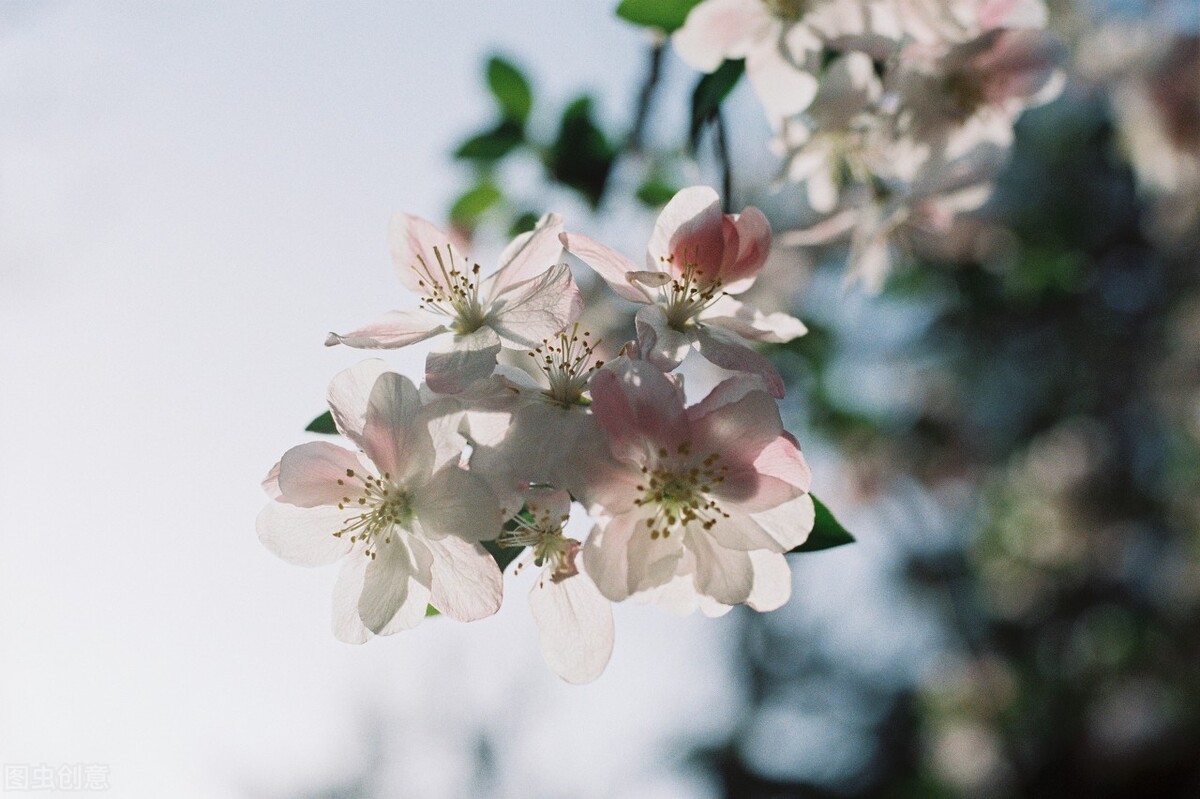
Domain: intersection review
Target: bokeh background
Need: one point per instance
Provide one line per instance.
(192, 195)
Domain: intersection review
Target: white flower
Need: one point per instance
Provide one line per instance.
(530, 297)
(408, 527)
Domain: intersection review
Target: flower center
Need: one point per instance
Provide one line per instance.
(453, 292)
(548, 546)
(566, 360)
(789, 10)
(383, 505)
(677, 488)
(688, 294)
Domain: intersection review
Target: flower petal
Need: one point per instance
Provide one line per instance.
(459, 503)
(720, 29)
(388, 598)
(622, 559)
(609, 264)
(638, 407)
(537, 309)
(314, 474)
(689, 232)
(302, 536)
(660, 344)
(753, 235)
(575, 626)
(783, 88)
(393, 330)
(790, 523)
(415, 244)
(723, 574)
(751, 323)
(772, 581)
(394, 436)
(467, 584)
(350, 394)
(728, 350)
(527, 256)
(469, 358)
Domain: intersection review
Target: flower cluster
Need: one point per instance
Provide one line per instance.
(692, 506)
(894, 114)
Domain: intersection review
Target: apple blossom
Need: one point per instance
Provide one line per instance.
(408, 528)
(528, 298)
(696, 259)
(695, 488)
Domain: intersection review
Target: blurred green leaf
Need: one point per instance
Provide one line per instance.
(710, 92)
(581, 156)
(525, 222)
(322, 424)
(827, 531)
(668, 15)
(510, 88)
(470, 207)
(655, 192)
(492, 145)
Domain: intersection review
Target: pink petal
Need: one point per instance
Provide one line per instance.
(315, 474)
(413, 241)
(719, 29)
(270, 483)
(302, 536)
(607, 263)
(471, 357)
(783, 460)
(459, 503)
(729, 351)
(467, 584)
(689, 232)
(753, 236)
(575, 626)
(393, 330)
(394, 437)
(537, 309)
(527, 256)
(639, 409)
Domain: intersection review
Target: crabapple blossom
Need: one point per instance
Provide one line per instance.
(528, 298)
(575, 624)
(696, 259)
(407, 527)
(690, 490)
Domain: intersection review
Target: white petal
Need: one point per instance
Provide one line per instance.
(723, 574)
(395, 437)
(347, 624)
(387, 586)
(575, 626)
(537, 309)
(350, 393)
(302, 536)
(459, 503)
(607, 263)
(782, 87)
(413, 242)
(622, 559)
(772, 581)
(790, 523)
(730, 351)
(751, 323)
(662, 345)
(469, 358)
(467, 584)
(527, 256)
(393, 330)
(719, 29)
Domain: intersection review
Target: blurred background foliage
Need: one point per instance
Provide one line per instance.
(1019, 412)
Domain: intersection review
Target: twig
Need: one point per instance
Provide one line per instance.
(722, 144)
(637, 134)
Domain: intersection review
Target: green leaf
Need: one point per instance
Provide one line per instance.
(581, 156)
(667, 15)
(710, 92)
(655, 192)
(492, 145)
(430, 610)
(510, 88)
(827, 531)
(524, 223)
(470, 207)
(322, 424)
